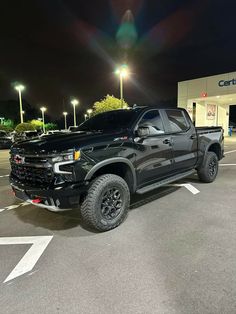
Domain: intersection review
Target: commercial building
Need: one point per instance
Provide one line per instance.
(208, 99)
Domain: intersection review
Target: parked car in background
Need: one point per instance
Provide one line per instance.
(73, 128)
(5, 140)
(26, 135)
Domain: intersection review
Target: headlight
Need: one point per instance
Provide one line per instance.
(67, 157)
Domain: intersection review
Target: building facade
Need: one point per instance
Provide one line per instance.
(208, 99)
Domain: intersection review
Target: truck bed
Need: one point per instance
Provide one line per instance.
(208, 129)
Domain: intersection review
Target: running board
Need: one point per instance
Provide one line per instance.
(164, 182)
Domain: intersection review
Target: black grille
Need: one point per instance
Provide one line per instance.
(32, 175)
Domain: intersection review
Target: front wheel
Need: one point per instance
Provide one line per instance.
(209, 169)
(107, 202)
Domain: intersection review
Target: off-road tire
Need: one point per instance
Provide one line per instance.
(209, 169)
(91, 207)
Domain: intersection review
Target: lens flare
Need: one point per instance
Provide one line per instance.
(127, 34)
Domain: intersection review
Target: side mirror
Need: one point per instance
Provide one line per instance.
(143, 131)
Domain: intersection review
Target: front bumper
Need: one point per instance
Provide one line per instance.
(55, 199)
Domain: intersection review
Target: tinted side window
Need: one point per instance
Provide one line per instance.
(178, 122)
(152, 120)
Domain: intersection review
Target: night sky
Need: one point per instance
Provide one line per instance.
(62, 49)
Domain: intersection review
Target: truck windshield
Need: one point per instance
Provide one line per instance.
(109, 121)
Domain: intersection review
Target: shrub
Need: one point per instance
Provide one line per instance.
(24, 127)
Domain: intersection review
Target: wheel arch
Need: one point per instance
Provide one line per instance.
(120, 166)
(215, 147)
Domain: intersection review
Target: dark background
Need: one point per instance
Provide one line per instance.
(62, 49)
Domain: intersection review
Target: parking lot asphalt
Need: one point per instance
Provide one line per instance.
(175, 253)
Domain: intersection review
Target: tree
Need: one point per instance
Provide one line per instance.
(24, 127)
(37, 124)
(50, 126)
(5, 128)
(107, 104)
(7, 125)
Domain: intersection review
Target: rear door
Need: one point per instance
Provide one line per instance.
(153, 153)
(184, 139)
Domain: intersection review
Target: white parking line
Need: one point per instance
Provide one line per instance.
(231, 151)
(14, 206)
(28, 261)
(189, 187)
(227, 165)
(4, 176)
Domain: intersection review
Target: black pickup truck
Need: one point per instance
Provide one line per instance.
(112, 156)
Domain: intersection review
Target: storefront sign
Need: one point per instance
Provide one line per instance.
(223, 83)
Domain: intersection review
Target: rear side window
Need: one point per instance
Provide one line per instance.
(177, 120)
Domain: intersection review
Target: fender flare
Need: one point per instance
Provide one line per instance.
(110, 161)
(207, 150)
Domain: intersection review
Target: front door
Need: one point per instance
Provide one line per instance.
(154, 152)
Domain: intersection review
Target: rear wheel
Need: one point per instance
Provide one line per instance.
(208, 171)
(107, 202)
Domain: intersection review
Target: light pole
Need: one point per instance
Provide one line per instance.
(89, 111)
(20, 88)
(65, 115)
(85, 116)
(2, 119)
(74, 102)
(43, 109)
(123, 72)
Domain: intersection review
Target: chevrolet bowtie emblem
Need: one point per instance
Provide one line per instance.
(19, 159)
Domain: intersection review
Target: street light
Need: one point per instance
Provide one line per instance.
(89, 111)
(123, 72)
(20, 88)
(43, 109)
(65, 115)
(74, 102)
(85, 116)
(2, 119)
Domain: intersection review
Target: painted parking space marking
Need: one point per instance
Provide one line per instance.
(223, 165)
(4, 176)
(188, 186)
(231, 151)
(28, 261)
(14, 206)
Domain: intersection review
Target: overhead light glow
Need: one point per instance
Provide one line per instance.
(20, 87)
(74, 102)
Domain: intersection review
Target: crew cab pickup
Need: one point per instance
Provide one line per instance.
(111, 156)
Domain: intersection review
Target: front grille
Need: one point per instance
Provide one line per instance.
(32, 175)
(35, 160)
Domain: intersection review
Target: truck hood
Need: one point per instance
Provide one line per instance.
(57, 143)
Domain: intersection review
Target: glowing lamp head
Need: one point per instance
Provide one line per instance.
(65, 113)
(89, 111)
(19, 87)
(43, 109)
(122, 71)
(75, 102)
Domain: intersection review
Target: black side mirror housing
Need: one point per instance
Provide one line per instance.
(143, 131)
